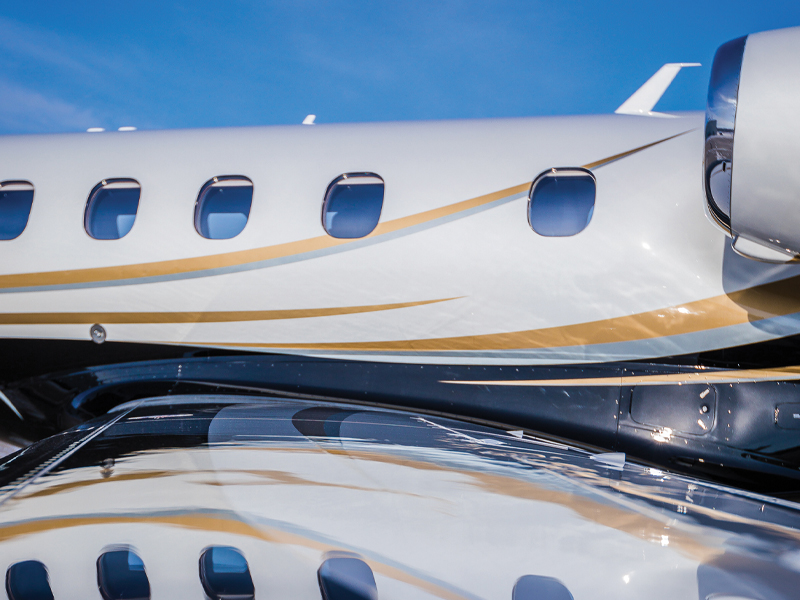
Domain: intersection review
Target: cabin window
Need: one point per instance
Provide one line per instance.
(561, 202)
(121, 576)
(538, 587)
(16, 199)
(111, 208)
(223, 207)
(353, 204)
(28, 580)
(346, 578)
(225, 574)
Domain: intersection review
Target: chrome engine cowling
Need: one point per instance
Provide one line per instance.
(752, 143)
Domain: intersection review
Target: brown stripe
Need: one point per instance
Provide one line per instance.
(752, 304)
(118, 318)
(229, 259)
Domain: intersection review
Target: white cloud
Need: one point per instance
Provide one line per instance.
(26, 110)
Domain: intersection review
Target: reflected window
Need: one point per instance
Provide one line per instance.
(346, 578)
(561, 202)
(111, 209)
(225, 574)
(353, 204)
(28, 580)
(537, 587)
(223, 207)
(121, 576)
(16, 199)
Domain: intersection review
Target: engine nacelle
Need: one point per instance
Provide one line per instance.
(752, 149)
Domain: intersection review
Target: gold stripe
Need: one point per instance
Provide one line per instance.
(230, 259)
(745, 306)
(605, 161)
(117, 318)
(242, 257)
(740, 376)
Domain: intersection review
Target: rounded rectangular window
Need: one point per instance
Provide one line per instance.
(16, 199)
(121, 576)
(225, 575)
(223, 207)
(539, 587)
(346, 578)
(353, 204)
(111, 208)
(561, 202)
(28, 580)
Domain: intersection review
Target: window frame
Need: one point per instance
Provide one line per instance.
(104, 584)
(553, 172)
(90, 201)
(30, 210)
(201, 196)
(335, 182)
(205, 580)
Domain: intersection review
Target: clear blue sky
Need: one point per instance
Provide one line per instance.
(154, 64)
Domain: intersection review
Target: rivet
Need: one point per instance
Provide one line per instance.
(98, 334)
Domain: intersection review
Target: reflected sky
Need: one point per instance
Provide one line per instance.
(724, 85)
(223, 211)
(112, 212)
(562, 205)
(353, 210)
(15, 208)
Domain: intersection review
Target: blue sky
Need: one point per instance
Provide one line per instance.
(164, 64)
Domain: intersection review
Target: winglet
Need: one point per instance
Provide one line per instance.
(645, 98)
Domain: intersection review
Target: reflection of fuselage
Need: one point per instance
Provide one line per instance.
(452, 273)
(436, 508)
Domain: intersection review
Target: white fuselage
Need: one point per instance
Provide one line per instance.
(452, 274)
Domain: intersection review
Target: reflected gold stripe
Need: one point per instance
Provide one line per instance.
(120, 318)
(207, 523)
(241, 257)
(740, 376)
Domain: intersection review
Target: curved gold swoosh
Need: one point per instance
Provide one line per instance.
(118, 318)
(278, 251)
(229, 259)
(752, 304)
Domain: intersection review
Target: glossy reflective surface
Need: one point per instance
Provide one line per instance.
(433, 507)
(561, 202)
(223, 207)
(723, 92)
(353, 205)
(111, 209)
(16, 199)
